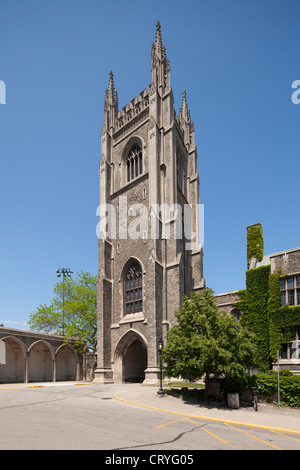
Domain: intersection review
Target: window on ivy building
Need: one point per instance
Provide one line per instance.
(291, 351)
(290, 290)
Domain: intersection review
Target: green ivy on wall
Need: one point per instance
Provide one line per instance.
(260, 305)
(261, 312)
(254, 308)
(255, 243)
(274, 304)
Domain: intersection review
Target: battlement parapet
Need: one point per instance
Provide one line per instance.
(133, 109)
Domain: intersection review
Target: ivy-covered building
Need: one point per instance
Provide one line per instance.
(270, 304)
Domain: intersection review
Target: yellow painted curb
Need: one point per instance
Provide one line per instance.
(84, 383)
(208, 418)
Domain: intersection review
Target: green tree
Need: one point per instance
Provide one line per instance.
(72, 313)
(206, 341)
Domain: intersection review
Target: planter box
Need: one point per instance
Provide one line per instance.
(233, 400)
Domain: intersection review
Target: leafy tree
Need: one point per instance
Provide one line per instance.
(206, 341)
(72, 313)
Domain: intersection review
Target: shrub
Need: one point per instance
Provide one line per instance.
(237, 384)
(267, 385)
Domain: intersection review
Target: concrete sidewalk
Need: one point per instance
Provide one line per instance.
(267, 417)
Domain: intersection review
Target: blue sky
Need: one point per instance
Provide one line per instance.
(236, 59)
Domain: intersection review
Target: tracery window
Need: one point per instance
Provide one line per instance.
(292, 349)
(134, 163)
(133, 287)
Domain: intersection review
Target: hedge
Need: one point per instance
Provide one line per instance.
(267, 386)
(289, 385)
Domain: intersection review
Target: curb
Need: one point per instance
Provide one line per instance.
(208, 418)
(50, 384)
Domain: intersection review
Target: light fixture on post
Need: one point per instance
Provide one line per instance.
(160, 347)
(64, 272)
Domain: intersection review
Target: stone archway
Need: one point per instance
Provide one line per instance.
(66, 363)
(135, 362)
(130, 358)
(13, 370)
(41, 359)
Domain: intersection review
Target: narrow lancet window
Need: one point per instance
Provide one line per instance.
(134, 163)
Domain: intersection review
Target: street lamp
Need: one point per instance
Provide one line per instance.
(64, 272)
(160, 347)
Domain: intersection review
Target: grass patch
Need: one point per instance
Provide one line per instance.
(189, 395)
(184, 385)
(178, 384)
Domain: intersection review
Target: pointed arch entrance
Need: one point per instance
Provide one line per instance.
(130, 358)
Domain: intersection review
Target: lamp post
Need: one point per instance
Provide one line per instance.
(64, 272)
(160, 347)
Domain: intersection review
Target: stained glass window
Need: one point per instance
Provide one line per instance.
(133, 289)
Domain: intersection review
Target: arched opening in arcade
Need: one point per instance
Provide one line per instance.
(66, 363)
(13, 370)
(40, 365)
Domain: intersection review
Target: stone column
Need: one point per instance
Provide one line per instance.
(26, 378)
(54, 370)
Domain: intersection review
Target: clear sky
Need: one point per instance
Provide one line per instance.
(236, 59)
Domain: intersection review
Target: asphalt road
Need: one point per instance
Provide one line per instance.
(88, 417)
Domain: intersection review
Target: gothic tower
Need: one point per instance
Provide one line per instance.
(149, 250)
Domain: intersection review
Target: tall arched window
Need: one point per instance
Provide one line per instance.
(133, 289)
(134, 163)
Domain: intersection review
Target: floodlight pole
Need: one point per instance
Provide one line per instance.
(64, 272)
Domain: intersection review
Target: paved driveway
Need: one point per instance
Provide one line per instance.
(90, 417)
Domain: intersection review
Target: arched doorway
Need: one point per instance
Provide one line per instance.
(130, 358)
(135, 362)
(40, 362)
(65, 363)
(13, 370)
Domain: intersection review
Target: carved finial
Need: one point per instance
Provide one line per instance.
(158, 50)
(111, 86)
(111, 95)
(158, 39)
(184, 112)
(159, 60)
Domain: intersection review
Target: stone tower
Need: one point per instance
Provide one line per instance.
(149, 250)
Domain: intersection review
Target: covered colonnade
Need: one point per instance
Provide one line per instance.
(26, 356)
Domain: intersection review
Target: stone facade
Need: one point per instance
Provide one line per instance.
(148, 160)
(288, 261)
(226, 300)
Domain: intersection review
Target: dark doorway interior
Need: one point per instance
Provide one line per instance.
(135, 362)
